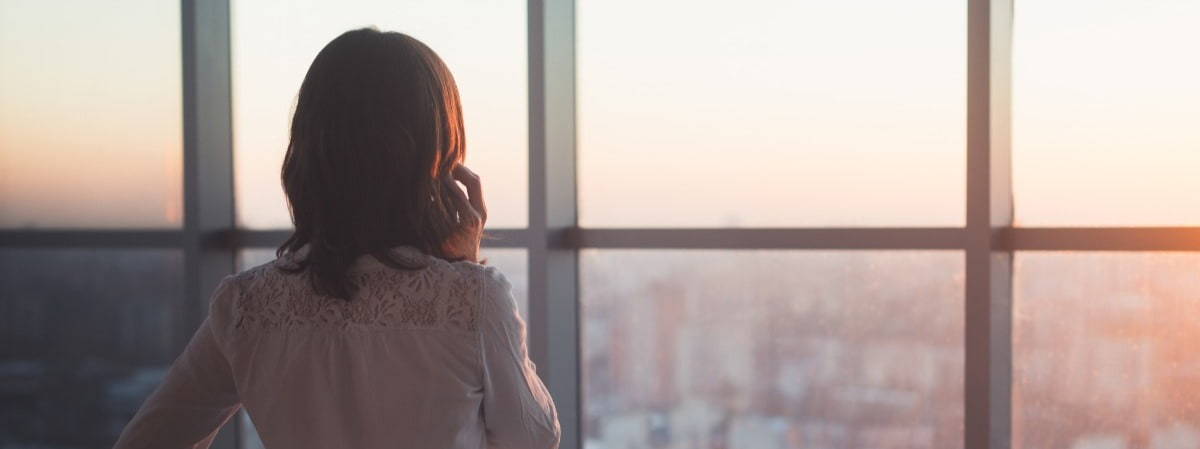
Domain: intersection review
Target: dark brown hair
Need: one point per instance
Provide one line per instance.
(376, 132)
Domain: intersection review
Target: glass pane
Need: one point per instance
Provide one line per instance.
(1104, 350)
(772, 113)
(1105, 107)
(85, 336)
(483, 43)
(772, 349)
(91, 124)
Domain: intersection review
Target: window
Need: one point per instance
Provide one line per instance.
(767, 349)
(1104, 113)
(771, 114)
(90, 115)
(85, 336)
(761, 224)
(1102, 350)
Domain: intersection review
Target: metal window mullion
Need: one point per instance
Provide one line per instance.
(272, 238)
(207, 167)
(1180, 238)
(554, 268)
(1103, 239)
(988, 300)
(93, 238)
(771, 238)
(1139, 239)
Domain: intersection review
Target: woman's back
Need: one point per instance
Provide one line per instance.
(375, 328)
(425, 358)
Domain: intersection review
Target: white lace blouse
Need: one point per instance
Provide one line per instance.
(430, 358)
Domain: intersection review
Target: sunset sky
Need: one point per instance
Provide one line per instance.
(755, 113)
(1106, 112)
(90, 114)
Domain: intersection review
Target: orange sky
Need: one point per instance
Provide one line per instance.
(90, 114)
(757, 113)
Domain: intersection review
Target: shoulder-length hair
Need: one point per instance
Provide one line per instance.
(376, 131)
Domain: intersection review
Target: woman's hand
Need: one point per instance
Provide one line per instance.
(472, 215)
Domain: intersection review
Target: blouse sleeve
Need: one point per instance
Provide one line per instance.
(517, 409)
(197, 395)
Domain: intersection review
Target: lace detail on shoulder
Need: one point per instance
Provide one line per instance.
(438, 296)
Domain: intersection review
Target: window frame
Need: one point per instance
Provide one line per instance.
(211, 241)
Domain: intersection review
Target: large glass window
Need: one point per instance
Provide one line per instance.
(85, 336)
(700, 115)
(771, 113)
(483, 43)
(1104, 350)
(91, 128)
(772, 349)
(1105, 107)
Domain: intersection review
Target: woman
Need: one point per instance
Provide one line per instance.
(375, 327)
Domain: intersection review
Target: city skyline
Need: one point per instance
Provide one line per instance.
(693, 349)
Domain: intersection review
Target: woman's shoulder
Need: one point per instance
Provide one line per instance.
(483, 285)
(240, 296)
(271, 275)
(492, 290)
